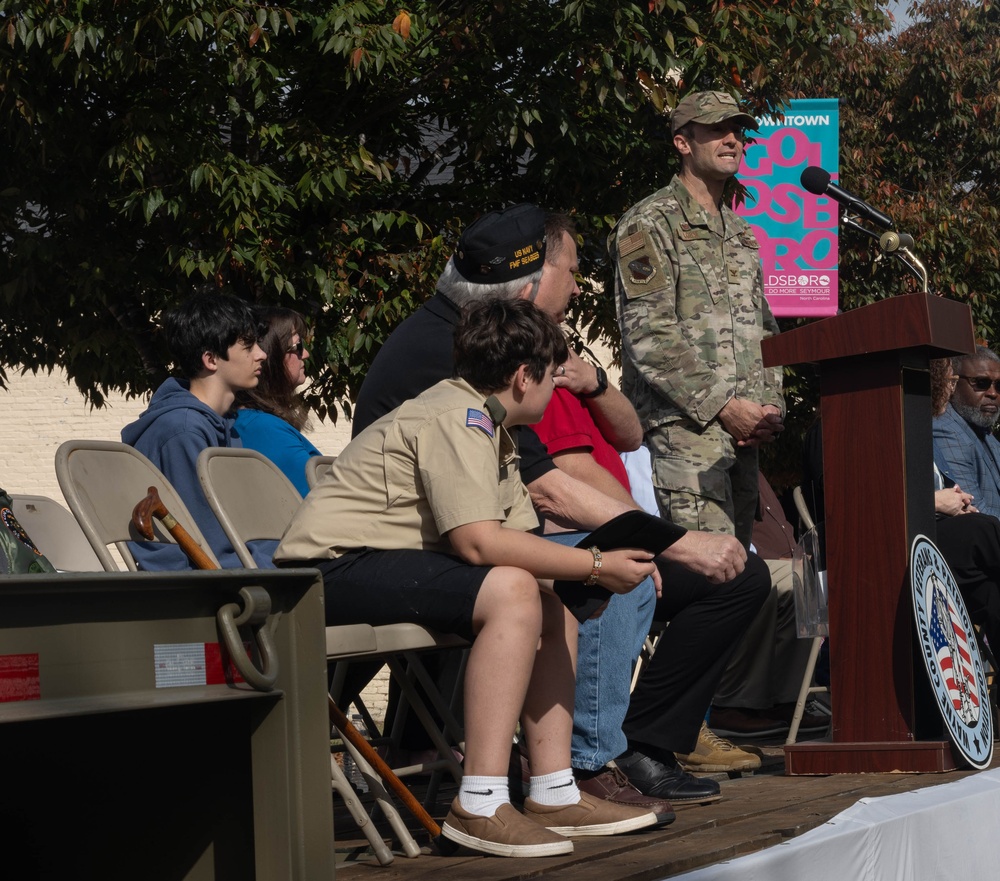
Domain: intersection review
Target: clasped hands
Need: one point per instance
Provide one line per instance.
(953, 501)
(751, 424)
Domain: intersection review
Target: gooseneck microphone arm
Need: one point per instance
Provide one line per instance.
(900, 249)
(896, 244)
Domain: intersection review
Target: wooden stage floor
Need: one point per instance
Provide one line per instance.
(756, 812)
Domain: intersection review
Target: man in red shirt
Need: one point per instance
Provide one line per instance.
(586, 443)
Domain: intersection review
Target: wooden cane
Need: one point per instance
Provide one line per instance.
(151, 506)
(343, 724)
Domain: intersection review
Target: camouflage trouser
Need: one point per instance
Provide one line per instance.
(703, 480)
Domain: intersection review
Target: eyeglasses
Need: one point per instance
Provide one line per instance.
(982, 383)
(297, 348)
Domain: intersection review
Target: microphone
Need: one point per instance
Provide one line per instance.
(817, 181)
(891, 242)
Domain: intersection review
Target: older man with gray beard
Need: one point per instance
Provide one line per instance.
(965, 449)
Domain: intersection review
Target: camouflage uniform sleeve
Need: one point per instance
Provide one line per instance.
(665, 352)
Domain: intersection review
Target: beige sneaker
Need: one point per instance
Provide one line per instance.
(506, 834)
(589, 816)
(714, 753)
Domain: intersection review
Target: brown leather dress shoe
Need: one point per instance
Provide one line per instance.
(611, 785)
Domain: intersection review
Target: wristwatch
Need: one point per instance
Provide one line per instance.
(602, 385)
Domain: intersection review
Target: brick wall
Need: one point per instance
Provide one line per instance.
(41, 411)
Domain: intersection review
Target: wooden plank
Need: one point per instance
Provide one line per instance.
(757, 812)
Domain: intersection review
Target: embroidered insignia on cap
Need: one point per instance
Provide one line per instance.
(641, 271)
(478, 419)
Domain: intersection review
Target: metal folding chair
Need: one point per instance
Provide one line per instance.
(102, 481)
(56, 533)
(807, 688)
(317, 468)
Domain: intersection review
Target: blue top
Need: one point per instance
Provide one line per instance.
(283, 444)
(175, 428)
(970, 457)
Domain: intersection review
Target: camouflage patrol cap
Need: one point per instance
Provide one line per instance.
(709, 108)
(502, 245)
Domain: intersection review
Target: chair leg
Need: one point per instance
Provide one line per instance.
(648, 647)
(342, 787)
(405, 677)
(806, 689)
(377, 790)
(445, 709)
(372, 765)
(991, 678)
(456, 696)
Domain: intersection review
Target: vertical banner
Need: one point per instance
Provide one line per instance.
(798, 236)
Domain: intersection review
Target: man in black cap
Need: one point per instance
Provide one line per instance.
(519, 253)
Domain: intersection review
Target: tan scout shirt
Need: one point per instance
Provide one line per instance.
(409, 478)
(691, 308)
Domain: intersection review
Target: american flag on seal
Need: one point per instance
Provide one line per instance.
(478, 419)
(952, 648)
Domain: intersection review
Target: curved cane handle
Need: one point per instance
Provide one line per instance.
(256, 608)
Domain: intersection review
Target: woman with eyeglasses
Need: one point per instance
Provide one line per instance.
(272, 416)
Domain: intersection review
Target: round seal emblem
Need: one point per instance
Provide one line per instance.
(951, 654)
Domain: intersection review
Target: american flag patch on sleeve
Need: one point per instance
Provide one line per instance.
(479, 419)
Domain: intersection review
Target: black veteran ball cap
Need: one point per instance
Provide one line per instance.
(709, 108)
(502, 245)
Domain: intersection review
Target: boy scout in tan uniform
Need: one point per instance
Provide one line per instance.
(422, 519)
(692, 313)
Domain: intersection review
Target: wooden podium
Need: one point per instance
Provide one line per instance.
(878, 481)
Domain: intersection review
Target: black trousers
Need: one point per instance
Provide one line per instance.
(970, 543)
(707, 622)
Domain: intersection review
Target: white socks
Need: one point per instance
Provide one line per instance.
(558, 788)
(482, 796)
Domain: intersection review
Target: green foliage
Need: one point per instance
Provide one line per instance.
(325, 155)
(920, 129)
(920, 140)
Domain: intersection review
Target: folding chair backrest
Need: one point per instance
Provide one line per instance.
(317, 467)
(103, 481)
(56, 533)
(249, 494)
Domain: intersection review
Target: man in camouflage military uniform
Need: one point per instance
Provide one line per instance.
(692, 313)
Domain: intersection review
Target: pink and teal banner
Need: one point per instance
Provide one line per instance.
(798, 237)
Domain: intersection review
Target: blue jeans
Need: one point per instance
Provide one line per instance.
(608, 649)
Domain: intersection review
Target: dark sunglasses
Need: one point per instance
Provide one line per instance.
(982, 383)
(297, 348)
